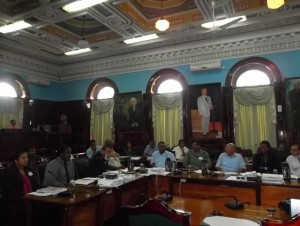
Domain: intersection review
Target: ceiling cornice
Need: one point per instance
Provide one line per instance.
(267, 41)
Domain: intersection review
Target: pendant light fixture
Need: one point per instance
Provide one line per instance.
(274, 4)
(83, 44)
(162, 24)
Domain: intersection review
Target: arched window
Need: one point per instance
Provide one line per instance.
(166, 81)
(166, 87)
(254, 71)
(169, 86)
(102, 88)
(101, 93)
(13, 91)
(254, 106)
(6, 90)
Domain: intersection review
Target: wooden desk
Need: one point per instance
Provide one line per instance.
(203, 208)
(72, 211)
(272, 194)
(90, 206)
(198, 186)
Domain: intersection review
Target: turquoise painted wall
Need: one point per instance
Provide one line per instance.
(287, 62)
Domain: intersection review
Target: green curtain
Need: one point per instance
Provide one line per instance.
(167, 126)
(167, 118)
(102, 120)
(255, 117)
(11, 108)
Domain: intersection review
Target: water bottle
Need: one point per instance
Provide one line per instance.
(173, 168)
(286, 171)
(71, 187)
(168, 164)
(204, 167)
(130, 166)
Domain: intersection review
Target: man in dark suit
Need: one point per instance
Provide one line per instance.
(265, 161)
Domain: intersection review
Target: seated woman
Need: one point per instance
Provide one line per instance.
(265, 161)
(18, 181)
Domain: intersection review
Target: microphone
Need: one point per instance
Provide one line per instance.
(233, 204)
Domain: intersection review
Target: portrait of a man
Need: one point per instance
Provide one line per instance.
(206, 115)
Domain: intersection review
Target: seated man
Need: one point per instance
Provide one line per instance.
(229, 161)
(150, 148)
(92, 149)
(112, 156)
(98, 163)
(159, 157)
(61, 170)
(265, 161)
(180, 150)
(294, 160)
(195, 156)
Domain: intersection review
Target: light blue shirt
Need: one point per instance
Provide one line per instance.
(160, 159)
(90, 153)
(232, 163)
(149, 151)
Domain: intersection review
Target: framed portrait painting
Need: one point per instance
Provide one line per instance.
(292, 103)
(129, 112)
(206, 110)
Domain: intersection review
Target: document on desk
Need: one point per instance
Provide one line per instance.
(227, 221)
(48, 191)
(86, 181)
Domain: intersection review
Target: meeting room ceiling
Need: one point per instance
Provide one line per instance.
(106, 25)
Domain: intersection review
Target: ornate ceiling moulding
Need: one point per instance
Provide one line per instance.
(190, 54)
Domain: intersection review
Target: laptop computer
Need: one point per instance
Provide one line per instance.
(295, 207)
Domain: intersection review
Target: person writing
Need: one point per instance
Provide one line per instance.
(229, 161)
(294, 160)
(204, 104)
(99, 162)
(61, 170)
(18, 181)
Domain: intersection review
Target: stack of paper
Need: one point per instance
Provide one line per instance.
(110, 183)
(272, 178)
(48, 191)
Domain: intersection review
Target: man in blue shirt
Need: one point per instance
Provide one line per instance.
(229, 161)
(159, 157)
(150, 148)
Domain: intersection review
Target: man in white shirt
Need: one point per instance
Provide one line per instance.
(204, 107)
(180, 150)
(294, 160)
(92, 149)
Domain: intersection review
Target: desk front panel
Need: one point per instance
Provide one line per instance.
(205, 191)
(272, 195)
(203, 208)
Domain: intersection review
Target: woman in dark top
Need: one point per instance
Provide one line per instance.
(17, 181)
(128, 151)
(265, 161)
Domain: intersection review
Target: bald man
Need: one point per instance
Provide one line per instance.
(229, 161)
